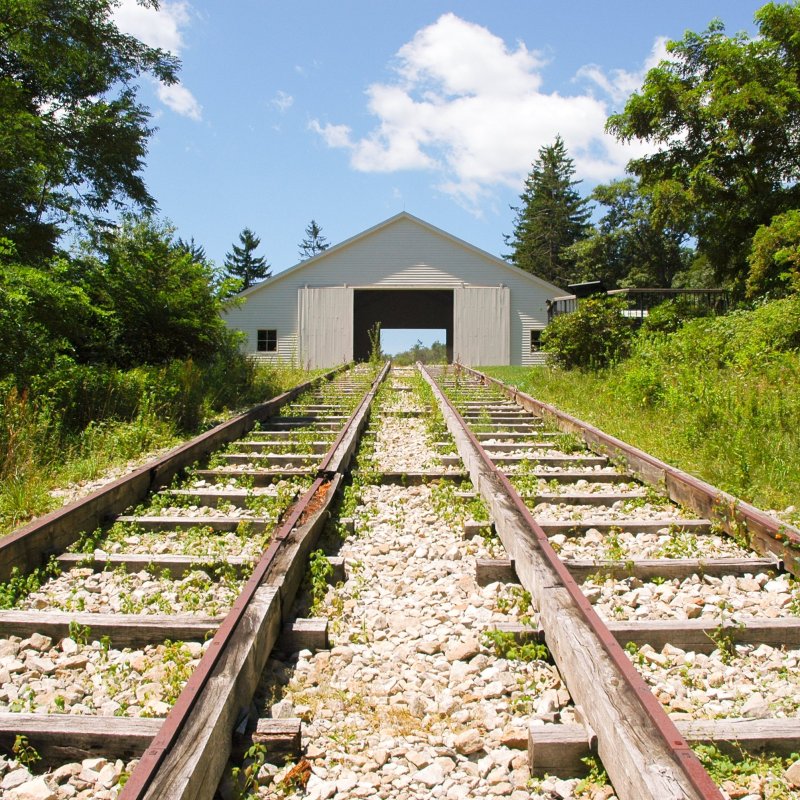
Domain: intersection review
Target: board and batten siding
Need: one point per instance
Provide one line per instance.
(403, 253)
(326, 326)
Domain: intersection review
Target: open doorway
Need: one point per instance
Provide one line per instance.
(420, 310)
(409, 345)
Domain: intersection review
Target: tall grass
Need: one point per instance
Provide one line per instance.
(77, 421)
(720, 398)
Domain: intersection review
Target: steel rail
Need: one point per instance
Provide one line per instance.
(30, 545)
(170, 731)
(775, 536)
(673, 740)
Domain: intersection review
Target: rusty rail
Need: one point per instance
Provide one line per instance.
(765, 533)
(673, 742)
(145, 772)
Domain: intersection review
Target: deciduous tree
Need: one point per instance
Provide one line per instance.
(628, 247)
(724, 114)
(72, 135)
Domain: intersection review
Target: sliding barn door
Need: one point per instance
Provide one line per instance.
(481, 325)
(326, 326)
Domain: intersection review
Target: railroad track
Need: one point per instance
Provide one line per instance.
(400, 681)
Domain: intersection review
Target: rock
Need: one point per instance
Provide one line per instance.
(792, 775)
(37, 789)
(36, 642)
(463, 651)
(756, 707)
(17, 777)
(468, 742)
(514, 738)
(283, 709)
(431, 776)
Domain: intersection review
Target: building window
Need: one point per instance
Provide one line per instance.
(536, 336)
(267, 341)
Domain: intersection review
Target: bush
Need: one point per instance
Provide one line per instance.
(594, 336)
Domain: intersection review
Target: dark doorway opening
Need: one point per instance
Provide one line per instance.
(400, 308)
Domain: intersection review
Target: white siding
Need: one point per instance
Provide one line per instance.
(326, 326)
(402, 253)
(481, 325)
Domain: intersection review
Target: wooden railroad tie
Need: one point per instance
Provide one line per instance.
(558, 749)
(491, 570)
(695, 635)
(304, 634)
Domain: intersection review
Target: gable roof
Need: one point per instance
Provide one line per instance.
(402, 216)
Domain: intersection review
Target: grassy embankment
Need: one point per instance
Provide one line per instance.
(77, 425)
(719, 398)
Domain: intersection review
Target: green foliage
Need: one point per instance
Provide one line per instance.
(320, 571)
(154, 301)
(505, 645)
(74, 137)
(552, 216)
(775, 257)
(375, 353)
(19, 586)
(24, 751)
(594, 336)
(242, 265)
(724, 113)
(628, 247)
(720, 398)
(435, 354)
(738, 767)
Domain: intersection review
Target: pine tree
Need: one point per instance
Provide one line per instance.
(314, 242)
(552, 216)
(243, 264)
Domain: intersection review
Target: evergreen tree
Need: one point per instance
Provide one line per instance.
(552, 216)
(243, 264)
(196, 251)
(314, 242)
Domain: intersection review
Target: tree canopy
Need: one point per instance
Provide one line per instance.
(73, 138)
(724, 113)
(627, 248)
(552, 217)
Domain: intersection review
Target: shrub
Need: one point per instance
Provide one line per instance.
(594, 336)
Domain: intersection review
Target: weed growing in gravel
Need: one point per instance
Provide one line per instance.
(245, 781)
(24, 751)
(681, 544)
(615, 549)
(743, 769)
(505, 645)
(320, 571)
(19, 586)
(596, 778)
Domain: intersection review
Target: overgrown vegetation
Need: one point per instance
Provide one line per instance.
(719, 397)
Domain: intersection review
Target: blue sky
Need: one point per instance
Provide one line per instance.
(350, 112)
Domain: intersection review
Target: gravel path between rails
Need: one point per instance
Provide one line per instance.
(411, 701)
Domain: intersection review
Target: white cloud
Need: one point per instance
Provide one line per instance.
(619, 84)
(180, 100)
(162, 28)
(470, 108)
(282, 101)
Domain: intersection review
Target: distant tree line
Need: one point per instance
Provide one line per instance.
(717, 203)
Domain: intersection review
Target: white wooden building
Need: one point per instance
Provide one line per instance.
(404, 273)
